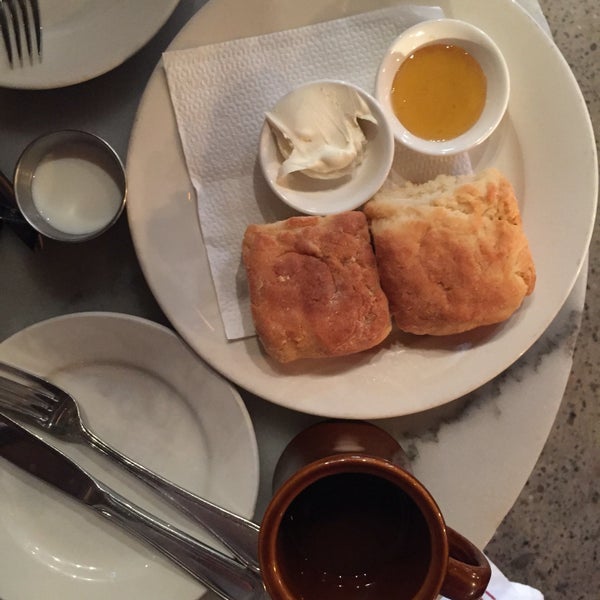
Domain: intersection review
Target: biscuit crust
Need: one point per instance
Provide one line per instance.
(452, 254)
(314, 286)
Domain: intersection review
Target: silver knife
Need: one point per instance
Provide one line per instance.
(223, 575)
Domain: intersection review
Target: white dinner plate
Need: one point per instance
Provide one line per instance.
(545, 146)
(147, 394)
(86, 38)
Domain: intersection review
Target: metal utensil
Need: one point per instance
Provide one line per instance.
(225, 576)
(45, 405)
(20, 21)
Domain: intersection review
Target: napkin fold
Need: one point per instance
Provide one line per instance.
(500, 588)
(220, 93)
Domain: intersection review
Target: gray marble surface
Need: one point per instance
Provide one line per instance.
(551, 537)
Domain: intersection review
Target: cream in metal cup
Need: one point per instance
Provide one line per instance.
(70, 185)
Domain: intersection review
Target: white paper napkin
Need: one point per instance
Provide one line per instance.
(220, 93)
(500, 588)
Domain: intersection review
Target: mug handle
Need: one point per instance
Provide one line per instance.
(468, 572)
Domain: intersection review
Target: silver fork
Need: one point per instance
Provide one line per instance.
(41, 403)
(20, 22)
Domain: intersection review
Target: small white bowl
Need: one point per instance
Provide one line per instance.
(481, 47)
(329, 196)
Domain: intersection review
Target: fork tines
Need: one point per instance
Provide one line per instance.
(21, 29)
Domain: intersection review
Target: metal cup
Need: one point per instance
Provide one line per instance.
(68, 145)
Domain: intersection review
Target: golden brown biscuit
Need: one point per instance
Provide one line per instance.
(451, 253)
(314, 286)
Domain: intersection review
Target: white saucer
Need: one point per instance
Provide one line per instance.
(147, 394)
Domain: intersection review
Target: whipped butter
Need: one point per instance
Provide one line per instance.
(317, 130)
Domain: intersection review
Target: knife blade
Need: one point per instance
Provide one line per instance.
(222, 574)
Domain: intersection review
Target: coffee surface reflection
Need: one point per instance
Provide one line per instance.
(354, 536)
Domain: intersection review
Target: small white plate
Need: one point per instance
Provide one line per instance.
(84, 39)
(143, 391)
(330, 196)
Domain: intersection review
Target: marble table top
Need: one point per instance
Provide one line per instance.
(495, 419)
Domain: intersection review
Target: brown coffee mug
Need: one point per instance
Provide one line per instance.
(349, 521)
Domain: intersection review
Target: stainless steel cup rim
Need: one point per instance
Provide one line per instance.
(30, 159)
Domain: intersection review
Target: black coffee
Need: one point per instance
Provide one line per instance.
(354, 536)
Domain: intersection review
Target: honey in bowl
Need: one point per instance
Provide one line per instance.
(439, 92)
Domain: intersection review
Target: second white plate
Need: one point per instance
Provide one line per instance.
(146, 393)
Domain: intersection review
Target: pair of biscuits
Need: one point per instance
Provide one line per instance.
(450, 255)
